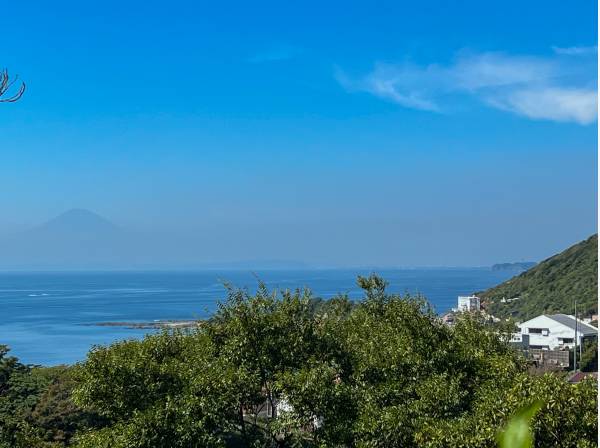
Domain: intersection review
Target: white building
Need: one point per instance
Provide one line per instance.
(468, 303)
(553, 332)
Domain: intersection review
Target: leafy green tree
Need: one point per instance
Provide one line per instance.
(568, 417)
(322, 403)
(589, 356)
(19, 390)
(168, 390)
(410, 369)
(269, 339)
(9, 365)
(517, 433)
(55, 416)
(381, 372)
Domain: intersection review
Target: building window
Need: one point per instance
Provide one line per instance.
(535, 331)
(567, 340)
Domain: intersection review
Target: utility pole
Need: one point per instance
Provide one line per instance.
(575, 350)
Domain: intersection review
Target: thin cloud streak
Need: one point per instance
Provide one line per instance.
(560, 88)
(556, 104)
(575, 51)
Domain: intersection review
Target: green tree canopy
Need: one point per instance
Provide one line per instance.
(382, 372)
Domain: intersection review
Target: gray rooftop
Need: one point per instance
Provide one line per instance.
(569, 321)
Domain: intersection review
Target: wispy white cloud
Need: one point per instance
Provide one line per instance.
(551, 103)
(575, 51)
(385, 80)
(543, 88)
(497, 70)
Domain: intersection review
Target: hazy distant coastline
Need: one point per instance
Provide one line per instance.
(81, 240)
(518, 266)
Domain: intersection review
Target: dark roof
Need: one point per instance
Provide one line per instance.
(569, 321)
(579, 376)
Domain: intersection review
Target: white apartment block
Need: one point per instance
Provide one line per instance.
(468, 303)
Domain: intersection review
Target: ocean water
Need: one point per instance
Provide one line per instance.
(48, 318)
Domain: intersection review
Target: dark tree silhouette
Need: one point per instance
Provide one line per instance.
(5, 86)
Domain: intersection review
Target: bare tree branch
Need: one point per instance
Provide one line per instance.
(5, 85)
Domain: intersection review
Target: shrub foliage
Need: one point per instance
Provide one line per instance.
(382, 372)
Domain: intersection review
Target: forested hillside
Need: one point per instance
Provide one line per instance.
(551, 286)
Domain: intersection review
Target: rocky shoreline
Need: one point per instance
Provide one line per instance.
(155, 325)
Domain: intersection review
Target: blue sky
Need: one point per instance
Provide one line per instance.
(351, 133)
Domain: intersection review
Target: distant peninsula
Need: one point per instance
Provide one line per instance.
(518, 266)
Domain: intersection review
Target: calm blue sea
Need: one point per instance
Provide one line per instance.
(45, 317)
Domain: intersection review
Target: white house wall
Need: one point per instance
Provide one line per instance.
(556, 332)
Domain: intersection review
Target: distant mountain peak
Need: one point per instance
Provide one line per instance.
(79, 212)
(78, 219)
(75, 239)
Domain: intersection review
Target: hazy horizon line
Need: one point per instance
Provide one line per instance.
(269, 269)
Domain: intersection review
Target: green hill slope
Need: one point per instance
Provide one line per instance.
(551, 286)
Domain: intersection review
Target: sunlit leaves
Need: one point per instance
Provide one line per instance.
(382, 372)
(517, 433)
